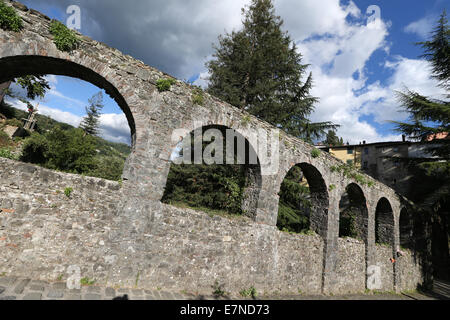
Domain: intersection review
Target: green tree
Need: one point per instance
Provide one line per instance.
(90, 123)
(35, 86)
(65, 150)
(437, 51)
(430, 116)
(258, 69)
(294, 204)
(332, 139)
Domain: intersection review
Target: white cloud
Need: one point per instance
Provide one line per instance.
(58, 94)
(422, 27)
(114, 127)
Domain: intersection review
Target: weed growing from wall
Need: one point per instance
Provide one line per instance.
(164, 84)
(9, 19)
(64, 38)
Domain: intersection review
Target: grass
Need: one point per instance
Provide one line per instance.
(218, 290)
(251, 292)
(209, 211)
(87, 282)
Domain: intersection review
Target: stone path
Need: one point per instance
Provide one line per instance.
(12, 288)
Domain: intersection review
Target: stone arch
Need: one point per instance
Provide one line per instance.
(354, 200)
(249, 159)
(319, 199)
(384, 222)
(21, 65)
(406, 225)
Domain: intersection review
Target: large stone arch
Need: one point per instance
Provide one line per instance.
(318, 196)
(21, 65)
(250, 160)
(384, 222)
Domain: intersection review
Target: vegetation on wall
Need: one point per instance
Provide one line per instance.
(9, 19)
(165, 84)
(64, 38)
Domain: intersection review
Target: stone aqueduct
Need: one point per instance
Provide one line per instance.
(144, 242)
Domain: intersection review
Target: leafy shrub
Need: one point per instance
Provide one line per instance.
(164, 84)
(9, 19)
(64, 38)
(34, 149)
(65, 150)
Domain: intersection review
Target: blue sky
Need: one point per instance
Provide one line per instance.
(357, 61)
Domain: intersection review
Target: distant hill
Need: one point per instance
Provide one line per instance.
(45, 123)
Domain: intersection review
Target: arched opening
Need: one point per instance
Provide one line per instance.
(214, 169)
(406, 229)
(19, 66)
(303, 202)
(81, 124)
(384, 223)
(353, 214)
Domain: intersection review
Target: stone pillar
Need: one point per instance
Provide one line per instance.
(267, 209)
(330, 237)
(396, 246)
(370, 245)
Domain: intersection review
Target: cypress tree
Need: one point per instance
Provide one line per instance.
(258, 69)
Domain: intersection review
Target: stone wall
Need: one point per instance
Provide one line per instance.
(383, 260)
(410, 270)
(43, 232)
(351, 266)
(141, 241)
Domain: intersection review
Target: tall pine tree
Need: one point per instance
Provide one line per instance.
(430, 116)
(258, 69)
(90, 123)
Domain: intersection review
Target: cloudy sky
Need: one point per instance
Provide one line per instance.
(359, 54)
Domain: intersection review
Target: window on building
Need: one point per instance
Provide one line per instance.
(366, 150)
(349, 151)
(365, 165)
(349, 162)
